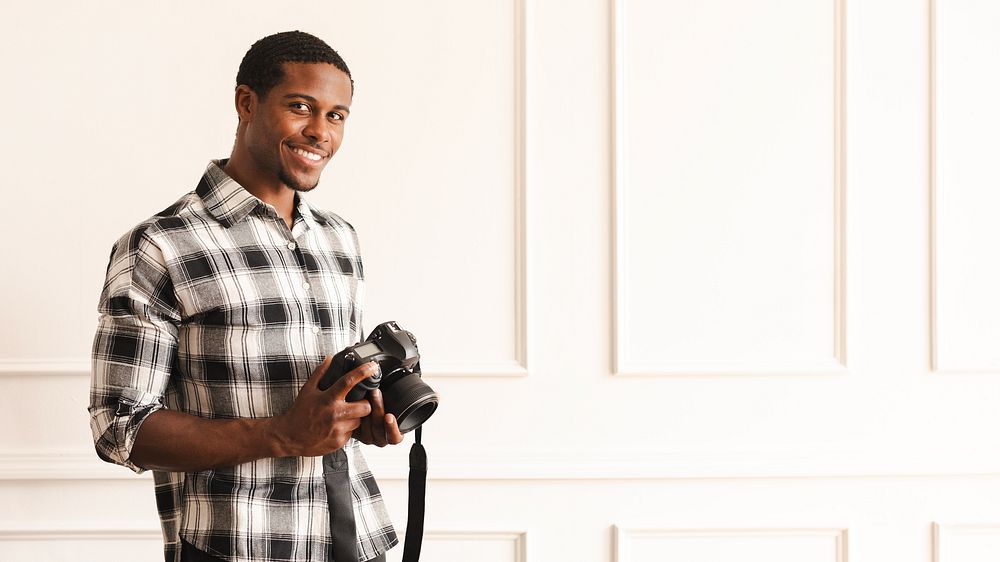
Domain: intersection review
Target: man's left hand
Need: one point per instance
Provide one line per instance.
(378, 428)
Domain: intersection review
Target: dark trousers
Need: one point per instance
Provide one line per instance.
(192, 554)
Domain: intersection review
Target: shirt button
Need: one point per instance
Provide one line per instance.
(315, 329)
(305, 285)
(291, 245)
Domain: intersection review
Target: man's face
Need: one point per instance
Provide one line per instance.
(299, 124)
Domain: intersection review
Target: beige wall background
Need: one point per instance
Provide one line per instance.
(697, 281)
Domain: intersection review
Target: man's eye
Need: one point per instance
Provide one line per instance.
(299, 106)
(336, 117)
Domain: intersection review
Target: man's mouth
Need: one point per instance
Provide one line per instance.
(307, 154)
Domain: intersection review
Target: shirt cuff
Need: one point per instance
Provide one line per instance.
(115, 430)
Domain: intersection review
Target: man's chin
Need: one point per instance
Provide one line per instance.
(295, 184)
(303, 188)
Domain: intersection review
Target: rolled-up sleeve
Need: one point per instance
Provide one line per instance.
(134, 348)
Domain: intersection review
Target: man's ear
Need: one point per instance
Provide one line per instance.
(246, 102)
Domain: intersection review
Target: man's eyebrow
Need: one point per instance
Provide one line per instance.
(312, 100)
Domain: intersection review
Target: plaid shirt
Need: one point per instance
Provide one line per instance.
(214, 308)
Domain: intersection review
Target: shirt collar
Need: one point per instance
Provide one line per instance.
(229, 202)
(312, 218)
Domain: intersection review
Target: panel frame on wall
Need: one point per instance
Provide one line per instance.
(55, 532)
(933, 354)
(519, 538)
(623, 534)
(46, 464)
(939, 532)
(517, 366)
(836, 364)
(58, 531)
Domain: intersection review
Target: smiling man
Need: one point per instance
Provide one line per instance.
(218, 317)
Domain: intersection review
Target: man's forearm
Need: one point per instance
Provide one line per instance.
(317, 423)
(178, 442)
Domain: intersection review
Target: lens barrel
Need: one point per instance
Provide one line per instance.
(410, 399)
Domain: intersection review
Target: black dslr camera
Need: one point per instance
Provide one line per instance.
(406, 396)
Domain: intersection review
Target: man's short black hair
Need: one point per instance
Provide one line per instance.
(261, 70)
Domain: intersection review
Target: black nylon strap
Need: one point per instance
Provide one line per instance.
(415, 508)
(343, 529)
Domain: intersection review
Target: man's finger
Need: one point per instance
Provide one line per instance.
(343, 386)
(392, 433)
(318, 373)
(363, 432)
(354, 410)
(378, 418)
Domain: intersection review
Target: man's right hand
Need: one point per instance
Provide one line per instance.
(322, 421)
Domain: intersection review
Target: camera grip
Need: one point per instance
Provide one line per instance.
(343, 363)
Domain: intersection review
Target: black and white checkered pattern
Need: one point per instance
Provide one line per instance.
(213, 307)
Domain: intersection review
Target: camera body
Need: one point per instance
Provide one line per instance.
(405, 395)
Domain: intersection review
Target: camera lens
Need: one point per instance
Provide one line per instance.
(410, 399)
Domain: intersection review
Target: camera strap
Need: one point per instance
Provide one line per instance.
(415, 505)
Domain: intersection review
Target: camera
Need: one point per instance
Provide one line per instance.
(405, 394)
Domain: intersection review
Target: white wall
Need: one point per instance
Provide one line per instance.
(697, 281)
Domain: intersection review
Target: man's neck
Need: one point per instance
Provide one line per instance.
(273, 192)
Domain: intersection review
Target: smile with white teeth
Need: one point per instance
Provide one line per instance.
(306, 154)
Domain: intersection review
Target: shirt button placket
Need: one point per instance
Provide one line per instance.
(315, 329)
(291, 245)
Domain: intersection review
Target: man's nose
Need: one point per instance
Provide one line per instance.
(316, 130)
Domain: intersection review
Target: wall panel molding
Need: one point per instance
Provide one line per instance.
(59, 531)
(944, 536)
(624, 536)
(932, 184)
(42, 367)
(836, 363)
(934, 311)
(517, 366)
(60, 540)
(518, 539)
(81, 368)
(40, 466)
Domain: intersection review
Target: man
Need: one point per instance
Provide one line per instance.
(216, 316)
